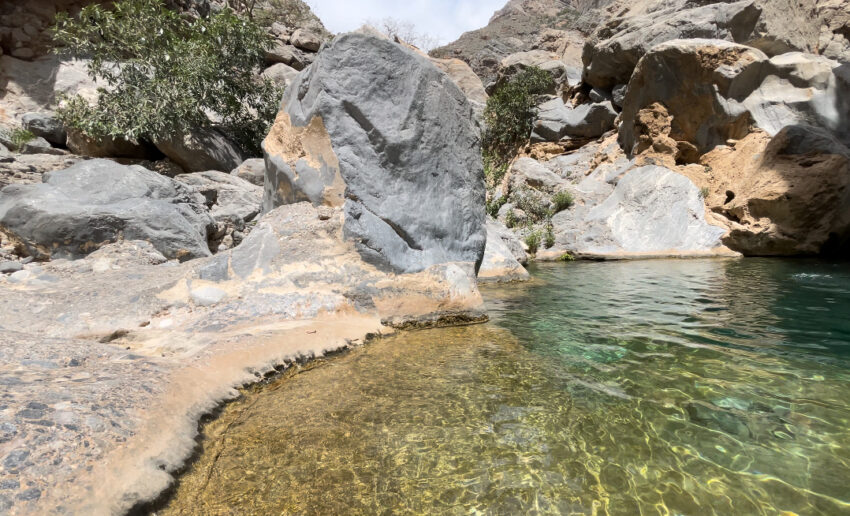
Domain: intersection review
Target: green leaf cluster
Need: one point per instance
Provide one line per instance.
(510, 112)
(167, 74)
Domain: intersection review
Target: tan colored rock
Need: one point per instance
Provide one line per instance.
(786, 195)
(107, 147)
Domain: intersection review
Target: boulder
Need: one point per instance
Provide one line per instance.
(650, 210)
(306, 40)
(232, 200)
(288, 55)
(107, 147)
(281, 74)
(78, 209)
(556, 120)
(5, 154)
(202, 149)
(499, 265)
(688, 96)
(39, 145)
(252, 170)
(46, 126)
(529, 172)
(509, 239)
(618, 94)
(376, 128)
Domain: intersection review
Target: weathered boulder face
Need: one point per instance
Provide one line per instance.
(650, 210)
(692, 95)
(202, 149)
(786, 195)
(377, 128)
(280, 73)
(78, 209)
(469, 83)
(108, 147)
(232, 200)
(555, 120)
(252, 170)
(500, 265)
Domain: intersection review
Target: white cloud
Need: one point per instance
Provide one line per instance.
(443, 19)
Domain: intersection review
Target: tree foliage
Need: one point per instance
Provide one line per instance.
(510, 112)
(166, 74)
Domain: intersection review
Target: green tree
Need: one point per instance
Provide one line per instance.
(510, 112)
(167, 74)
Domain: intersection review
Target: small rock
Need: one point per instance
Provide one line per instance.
(15, 458)
(207, 296)
(23, 53)
(39, 145)
(9, 266)
(618, 94)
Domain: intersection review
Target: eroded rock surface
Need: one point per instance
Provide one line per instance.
(370, 122)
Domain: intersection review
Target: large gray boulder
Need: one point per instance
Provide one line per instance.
(78, 209)
(252, 170)
(377, 128)
(202, 149)
(281, 74)
(696, 94)
(555, 120)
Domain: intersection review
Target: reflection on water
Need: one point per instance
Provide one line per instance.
(655, 387)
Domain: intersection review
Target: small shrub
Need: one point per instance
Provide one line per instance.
(168, 74)
(510, 112)
(19, 137)
(549, 239)
(494, 205)
(494, 171)
(703, 192)
(510, 219)
(562, 200)
(532, 203)
(566, 257)
(533, 242)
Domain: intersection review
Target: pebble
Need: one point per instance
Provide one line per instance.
(206, 296)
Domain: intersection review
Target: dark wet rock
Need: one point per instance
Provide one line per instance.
(367, 127)
(46, 126)
(202, 149)
(95, 202)
(716, 418)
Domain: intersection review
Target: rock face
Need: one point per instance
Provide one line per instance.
(555, 120)
(370, 122)
(84, 145)
(500, 265)
(281, 74)
(202, 149)
(521, 26)
(78, 209)
(785, 195)
(650, 210)
(692, 95)
(252, 170)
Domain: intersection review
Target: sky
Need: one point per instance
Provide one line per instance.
(444, 20)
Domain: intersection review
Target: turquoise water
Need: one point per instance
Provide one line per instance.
(648, 387)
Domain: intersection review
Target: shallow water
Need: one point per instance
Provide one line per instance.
(650, 387)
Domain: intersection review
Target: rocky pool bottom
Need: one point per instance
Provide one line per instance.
(651, 387)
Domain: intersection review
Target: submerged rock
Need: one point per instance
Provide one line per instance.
(78, 209)
(376, 128)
